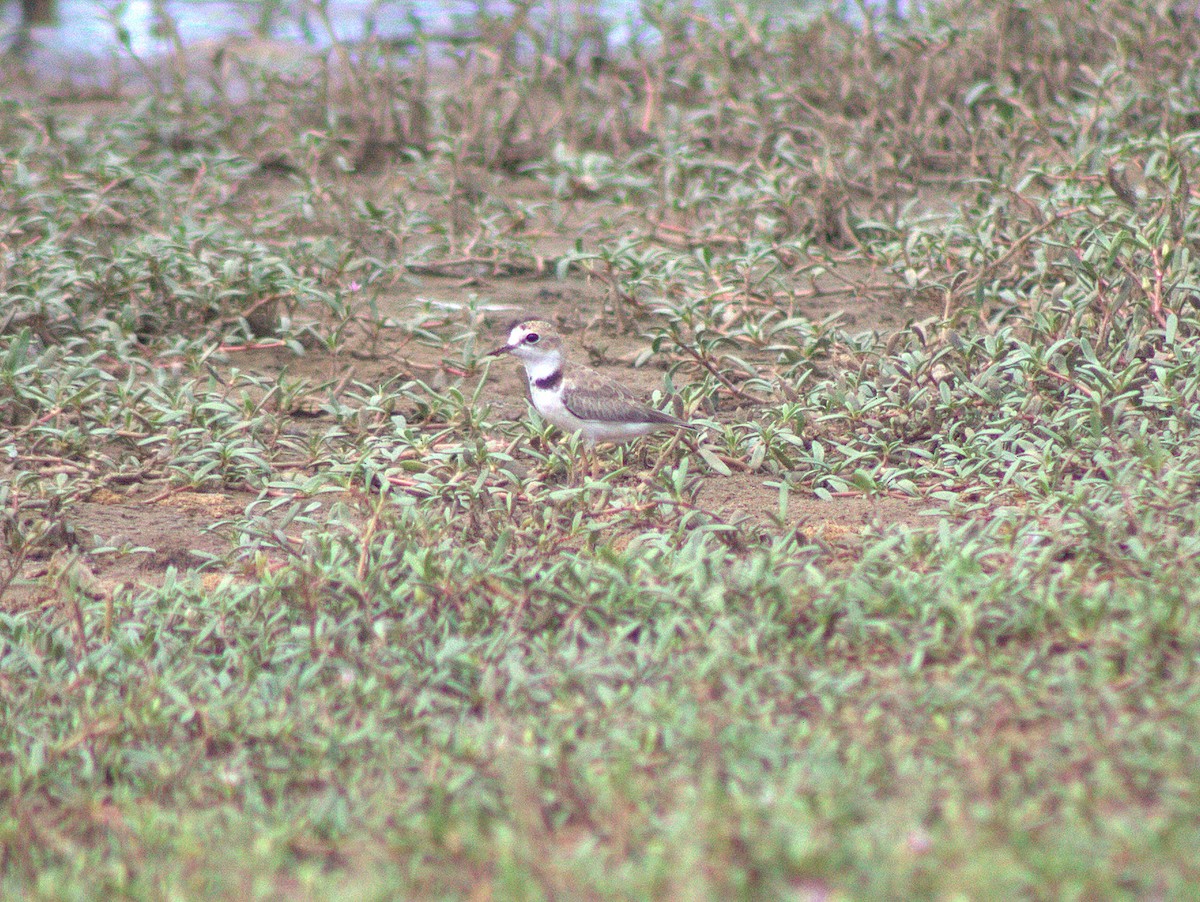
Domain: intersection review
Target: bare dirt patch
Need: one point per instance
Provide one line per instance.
(129, 540)
(748, 498)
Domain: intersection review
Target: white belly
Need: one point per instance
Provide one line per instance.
(549, 405)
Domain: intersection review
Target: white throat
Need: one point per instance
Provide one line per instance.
(543, 366)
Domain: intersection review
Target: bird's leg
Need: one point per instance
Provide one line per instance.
(576, 463)
(591, 446)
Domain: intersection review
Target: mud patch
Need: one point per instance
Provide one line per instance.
(843, 519)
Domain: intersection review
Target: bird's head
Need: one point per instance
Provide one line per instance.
(533, 340)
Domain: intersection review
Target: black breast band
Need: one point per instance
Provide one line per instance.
(551, 382)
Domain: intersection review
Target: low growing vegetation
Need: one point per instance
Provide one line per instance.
(298, 600)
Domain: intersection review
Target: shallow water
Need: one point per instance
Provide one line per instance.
(103, 43)
(94, 28)
(104, 27)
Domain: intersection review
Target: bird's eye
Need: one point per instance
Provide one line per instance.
(532, 338)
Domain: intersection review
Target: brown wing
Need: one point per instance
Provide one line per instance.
(593, 396)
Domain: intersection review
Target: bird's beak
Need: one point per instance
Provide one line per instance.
(503, 349)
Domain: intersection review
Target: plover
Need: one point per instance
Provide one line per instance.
(576, 398)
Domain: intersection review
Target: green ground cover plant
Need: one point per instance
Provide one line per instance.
(298, 600)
